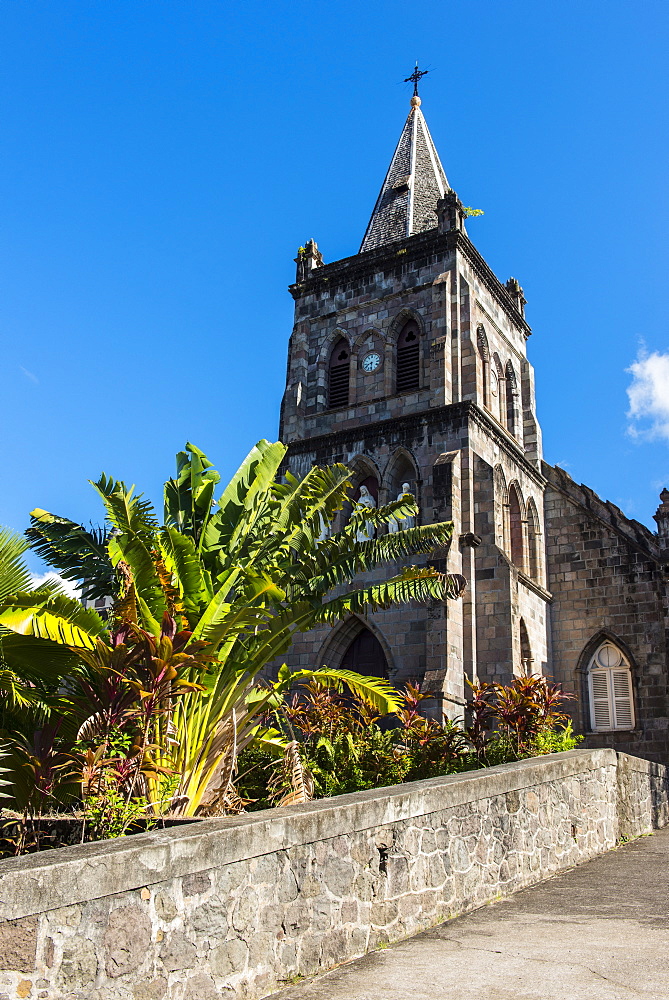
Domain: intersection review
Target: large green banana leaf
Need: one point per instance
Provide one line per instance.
(60, 619)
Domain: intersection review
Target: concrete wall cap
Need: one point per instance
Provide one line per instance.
(72, 875)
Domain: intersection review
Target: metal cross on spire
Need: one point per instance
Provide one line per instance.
(415, 77)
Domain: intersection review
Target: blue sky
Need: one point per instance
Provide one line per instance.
(161, 162)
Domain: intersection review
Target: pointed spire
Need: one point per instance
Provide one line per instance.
(415, 182)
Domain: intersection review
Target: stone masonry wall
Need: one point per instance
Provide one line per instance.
(607, 581)
(237, 906)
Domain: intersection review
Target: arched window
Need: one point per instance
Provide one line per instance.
(365, 656)
(526, 661)
(400, 470)
(484, 355)
(516, 528)
(511, 399)
(610, 689)
(497, 390)
(533, 540)
(501, 505)
(339, 375)
(408, 358)
(493, 403)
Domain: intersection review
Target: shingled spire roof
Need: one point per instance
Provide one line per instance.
(414, 183)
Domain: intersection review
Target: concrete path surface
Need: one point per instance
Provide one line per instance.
(598, 932)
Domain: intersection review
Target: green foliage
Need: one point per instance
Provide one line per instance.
(109, 813)
(513, 719)
(35, 707)
(81, 555)
(344, 747)
(556, 740)
(202, 603)
(54, 617)
(472, 212)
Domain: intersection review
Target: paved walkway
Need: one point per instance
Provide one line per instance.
(598, 932)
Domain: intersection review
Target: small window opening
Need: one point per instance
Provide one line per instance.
(339, 375)
(408, 358)
(484, 354)
(533, 541)
(526, 659)
(511, 399)
(516, 529)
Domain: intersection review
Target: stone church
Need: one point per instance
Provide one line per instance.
(408, 363)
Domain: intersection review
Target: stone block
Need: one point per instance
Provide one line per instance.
(18, 944)
(79, 965)
(229, 958)
(200, 987)
(165, 906)
(126, 940)
(150, 989)
(196, 885)
(210, 919)
(178, 952)
(245, 912)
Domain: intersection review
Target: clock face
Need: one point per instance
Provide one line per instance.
(371, 362)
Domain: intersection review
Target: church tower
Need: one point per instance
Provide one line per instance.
(407, 362)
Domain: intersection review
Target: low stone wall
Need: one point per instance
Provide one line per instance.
(643, 796)
(238, 906)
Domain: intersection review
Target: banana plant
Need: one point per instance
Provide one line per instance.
(35, 707)
(243, 574)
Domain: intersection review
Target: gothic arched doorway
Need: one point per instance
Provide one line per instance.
(365, 655)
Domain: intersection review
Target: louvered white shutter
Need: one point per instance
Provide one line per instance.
(600, 699)
(622, 699)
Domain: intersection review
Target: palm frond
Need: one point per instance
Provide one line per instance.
(14, 574)
(375, 692)
(414, 583)
(292, 782)
(77, 554)
(129, 514)
(15, 693)
(36, 660)
(337, 560)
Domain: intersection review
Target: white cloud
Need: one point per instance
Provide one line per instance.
(68, 587)
(649, 396)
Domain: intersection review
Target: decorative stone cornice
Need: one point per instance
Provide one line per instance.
(403, 254)
(457, 414)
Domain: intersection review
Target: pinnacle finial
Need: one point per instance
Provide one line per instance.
(414, 78)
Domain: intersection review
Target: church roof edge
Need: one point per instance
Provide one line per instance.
(391, 254)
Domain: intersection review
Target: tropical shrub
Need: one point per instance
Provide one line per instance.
(517, 719)
(202, 603)
(338, 745)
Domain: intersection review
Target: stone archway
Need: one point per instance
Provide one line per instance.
(342, 639)
(365, 655)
